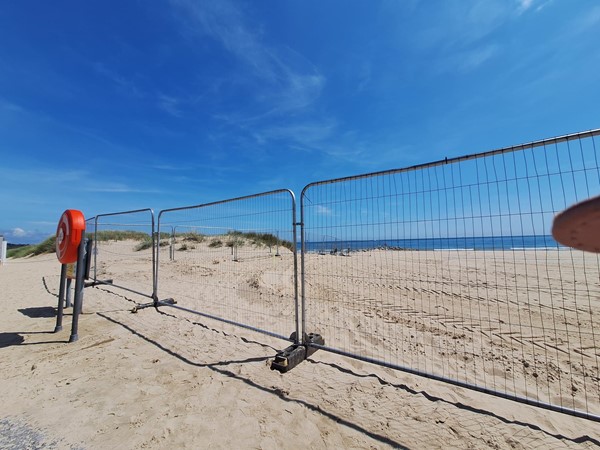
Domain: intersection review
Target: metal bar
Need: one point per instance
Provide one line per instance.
(510, 318)
(462, 384)
(61, 296)
(157, 262)
(133, 291)
(302, 267)
(220, 319)
(540, 143)
(282, 214)
(79, 284)
(124, 212)
(88, 260)
(127, 224)
(68, 294)
(220, 202)
(96, 249)
(298, 337)
(154, 246)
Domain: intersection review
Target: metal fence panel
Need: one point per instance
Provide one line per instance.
(124, 250)
(448, 270)
(234, 261)
(90, 226)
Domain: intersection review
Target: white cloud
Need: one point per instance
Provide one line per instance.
(117, 188)
(524, 5)
(19, 235)
(323, 210)
(19, 232)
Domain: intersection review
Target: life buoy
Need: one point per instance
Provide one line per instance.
(68, 235)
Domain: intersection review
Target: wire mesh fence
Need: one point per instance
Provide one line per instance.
(90, 227)
(448, 270)
(234, 261)
(123, 252)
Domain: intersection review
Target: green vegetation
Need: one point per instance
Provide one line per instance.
(48, 246)
(216, 243)
(124, 235)
(258, 239)
(234, 238)
(144, 245)
(119, 235)
(192, 237)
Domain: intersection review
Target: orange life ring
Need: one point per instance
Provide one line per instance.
(68, 235)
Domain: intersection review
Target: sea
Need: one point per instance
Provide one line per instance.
(541, 242)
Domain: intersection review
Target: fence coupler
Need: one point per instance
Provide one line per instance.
(93, 283)
(289, 358)
(154, 304)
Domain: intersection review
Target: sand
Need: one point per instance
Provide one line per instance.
(170, 379)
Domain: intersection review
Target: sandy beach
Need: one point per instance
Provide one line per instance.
(169, 379)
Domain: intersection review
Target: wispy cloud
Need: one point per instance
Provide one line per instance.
(9, 106)
(308, 134)
(170, 105)
(523, 5)
(45, 175)
(128, 86)
(459, 25)
(285, 80)
(589, 20)
(462, 35)
(469, 60)
(118, 188)
(464, 31)
(42, 222)
(19, 235)
(323, 210)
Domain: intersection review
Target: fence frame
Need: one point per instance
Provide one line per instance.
(296, 335)
(501, 151)
(153, 238)
(301, 334)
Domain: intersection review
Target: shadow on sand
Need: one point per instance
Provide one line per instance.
(11, 339)
(218, 367)
(44, 312)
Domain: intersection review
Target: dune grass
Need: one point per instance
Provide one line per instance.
(47, 246)
(233, 238)
(239, 239)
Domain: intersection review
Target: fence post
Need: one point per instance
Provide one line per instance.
(68, 294)
(79, 284)
(61, 296)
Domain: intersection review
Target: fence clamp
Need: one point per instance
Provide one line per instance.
(289, 358)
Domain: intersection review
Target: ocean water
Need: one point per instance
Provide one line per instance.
(460, 243)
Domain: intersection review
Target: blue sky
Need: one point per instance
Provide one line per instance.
(110, 105)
